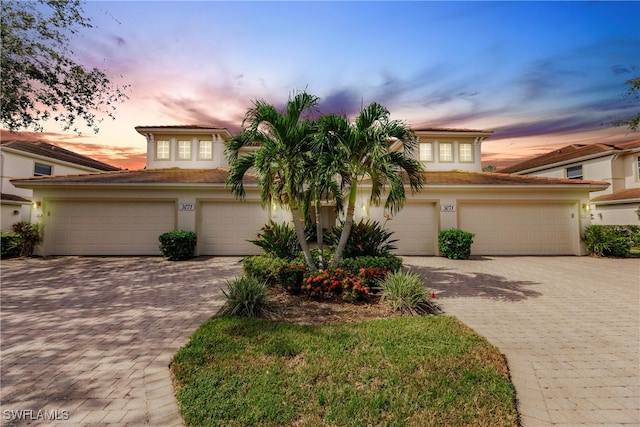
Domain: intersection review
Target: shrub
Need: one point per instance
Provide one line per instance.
(388, 262)
(351, 287)
(29, 235)
(315, 254)
(290, 276)
(264, 268)
(278, 240)
(608, 240)
(10, 243)
(177, 245)
(455, 244)
(246, 297)
(404, 292)
(367, 238)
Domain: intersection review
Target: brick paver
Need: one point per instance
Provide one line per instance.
(90, 339)
(569, 327)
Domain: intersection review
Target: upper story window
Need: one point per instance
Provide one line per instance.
(163, 150)
(638, 166)
(465, 152)
(574, 172)
(184, 150)
(426, 152)
(205, 150)
(41, 169)
(446, 151)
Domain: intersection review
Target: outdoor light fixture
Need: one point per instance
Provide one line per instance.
(37, 204)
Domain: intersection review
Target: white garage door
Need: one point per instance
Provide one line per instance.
(106, 227)
(225, 227)
(522, 228)
(416, 229)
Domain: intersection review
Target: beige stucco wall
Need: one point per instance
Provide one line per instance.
(218, 161)
(621, 214)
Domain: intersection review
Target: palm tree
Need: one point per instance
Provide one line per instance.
(363, 150)
(284, 141)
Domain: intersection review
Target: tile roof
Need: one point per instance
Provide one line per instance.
(627, 194)
(568, 153)
(13, 198)
(144, 176)
(44, 149)
(219, 176)
(466, 178)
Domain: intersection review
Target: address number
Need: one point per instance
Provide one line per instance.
(186, 207)
(448, 208)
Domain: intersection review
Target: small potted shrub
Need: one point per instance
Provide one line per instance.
(455, 243)
(177, 245)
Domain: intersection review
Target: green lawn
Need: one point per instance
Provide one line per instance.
(417, 371)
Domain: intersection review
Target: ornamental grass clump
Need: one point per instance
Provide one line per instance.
(404, 292)
(246, 297)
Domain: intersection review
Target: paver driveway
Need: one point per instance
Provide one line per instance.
(569, 327)
(91, 338)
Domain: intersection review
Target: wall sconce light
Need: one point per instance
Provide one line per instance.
(37, 204)
(600, 215)
(586, 207)
(16, 212)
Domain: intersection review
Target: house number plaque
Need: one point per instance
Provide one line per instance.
(447, 208)
(186, 207)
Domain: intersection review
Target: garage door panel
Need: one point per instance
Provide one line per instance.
(225, 228)
(107, 227)
(520, 228)
(415, 227)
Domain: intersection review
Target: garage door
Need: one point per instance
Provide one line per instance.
(225, 227)
(521, 228)
(415, 227)
(106, 228)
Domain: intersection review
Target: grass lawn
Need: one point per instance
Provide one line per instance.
(409, 371)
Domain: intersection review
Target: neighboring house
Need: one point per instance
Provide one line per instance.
(22, 159)
(617, 164)
(183, 187)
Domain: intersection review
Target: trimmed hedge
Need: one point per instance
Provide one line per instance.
(455, 243)
(178, 245)
(264, 268)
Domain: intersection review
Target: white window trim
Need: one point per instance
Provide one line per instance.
(460, 144)
(200, 157)
(637, 168)
(428, 151)
(566, 171)
(168, 150)
(42, 164)
(440, 145)
(189, 145)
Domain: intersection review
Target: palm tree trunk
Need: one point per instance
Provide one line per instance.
(348, 222)
(298, 223)
(320, 234)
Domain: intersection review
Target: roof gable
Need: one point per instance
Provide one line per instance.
(41, 148)
(568, 154)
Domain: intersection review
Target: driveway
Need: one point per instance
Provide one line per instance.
(88, 341)
(569, 327)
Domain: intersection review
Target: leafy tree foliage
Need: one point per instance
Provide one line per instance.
(41, 80)
(634, 91)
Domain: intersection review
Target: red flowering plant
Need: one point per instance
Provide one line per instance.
(372, 275)
(291, 277)
(351, 287)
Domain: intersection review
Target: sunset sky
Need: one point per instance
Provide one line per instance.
(540, 74)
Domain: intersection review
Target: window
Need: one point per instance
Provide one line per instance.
(446, 152)
(465, 152)
(574, 172)
(205, 150)
(426, 152)
(163, 151)
(638, 166)
(42, 170)
(184, 150)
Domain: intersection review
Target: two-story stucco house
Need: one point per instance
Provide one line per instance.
(183, 187)
(617, 164)
(22, 159)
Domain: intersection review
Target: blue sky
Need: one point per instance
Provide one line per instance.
(540, 74)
